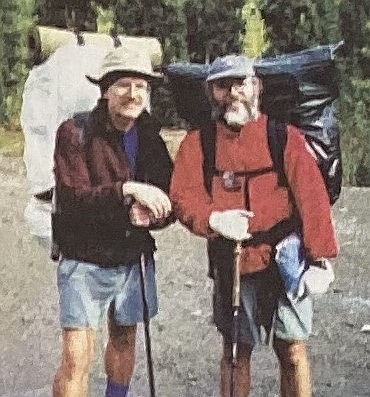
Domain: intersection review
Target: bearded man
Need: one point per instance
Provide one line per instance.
(246, 200)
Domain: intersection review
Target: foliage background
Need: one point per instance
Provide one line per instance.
(198, 31)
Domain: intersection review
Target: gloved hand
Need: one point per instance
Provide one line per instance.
(232, 224)
(318, 279)
(149, 196)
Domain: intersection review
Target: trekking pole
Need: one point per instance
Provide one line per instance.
(148, 344)
(235, 321)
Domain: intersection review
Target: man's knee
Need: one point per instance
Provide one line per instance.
(290, 353)
(78, 352)
(122, 337)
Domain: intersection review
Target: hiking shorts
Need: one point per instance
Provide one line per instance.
(290, 321)
(87, 291)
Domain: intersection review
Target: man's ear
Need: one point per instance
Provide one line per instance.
(208, 89)
(257, 88)
(147, 102)
(257, 83)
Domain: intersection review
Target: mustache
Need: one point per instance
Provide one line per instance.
(128, 101)
(219, 109)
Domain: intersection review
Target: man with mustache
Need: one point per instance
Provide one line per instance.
(112, 173)
(244, 201)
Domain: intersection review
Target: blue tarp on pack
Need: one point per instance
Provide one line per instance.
(296, 87)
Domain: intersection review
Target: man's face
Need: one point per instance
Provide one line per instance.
(127, 98)
(237, 98)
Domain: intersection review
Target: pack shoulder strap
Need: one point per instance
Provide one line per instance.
(208, 145)
(81, 120)
(277, 139)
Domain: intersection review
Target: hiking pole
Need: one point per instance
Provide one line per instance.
(148, 344)
(235, 321)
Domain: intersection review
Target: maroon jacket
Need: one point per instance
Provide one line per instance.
(91, 220)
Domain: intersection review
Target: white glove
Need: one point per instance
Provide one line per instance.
(232, 224)
(318, 279)
(149, 196)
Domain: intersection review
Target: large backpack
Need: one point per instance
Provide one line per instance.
(298, 88)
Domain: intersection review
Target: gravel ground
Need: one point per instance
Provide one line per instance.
(186, 347)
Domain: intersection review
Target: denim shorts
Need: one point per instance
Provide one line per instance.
(290, 321)
(87, 291)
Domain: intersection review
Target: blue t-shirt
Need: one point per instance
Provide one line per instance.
(130, 147)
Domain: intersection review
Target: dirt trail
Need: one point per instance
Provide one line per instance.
(186, 347)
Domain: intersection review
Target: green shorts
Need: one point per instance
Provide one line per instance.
(261, 308)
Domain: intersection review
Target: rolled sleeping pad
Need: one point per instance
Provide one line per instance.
(43, 41)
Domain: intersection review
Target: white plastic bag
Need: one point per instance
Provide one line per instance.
(37, 215)
(291, 261)
(297, 275)
(317, 279)
(53, 93)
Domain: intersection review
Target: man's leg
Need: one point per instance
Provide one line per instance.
(119, 358)
(242, 372)
(294, 367)
(71, 379)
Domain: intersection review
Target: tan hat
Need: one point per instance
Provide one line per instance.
(123, 60)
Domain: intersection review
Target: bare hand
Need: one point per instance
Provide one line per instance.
(140, 215)
(149, 196)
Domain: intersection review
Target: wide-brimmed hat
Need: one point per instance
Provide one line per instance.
(126, 61)
(238, 66)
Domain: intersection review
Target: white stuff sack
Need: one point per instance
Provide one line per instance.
(37, 216)
(54, 91)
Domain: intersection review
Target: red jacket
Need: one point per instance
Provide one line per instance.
(270, 203)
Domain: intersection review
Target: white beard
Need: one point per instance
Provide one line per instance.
(236, 118)
(241, 116)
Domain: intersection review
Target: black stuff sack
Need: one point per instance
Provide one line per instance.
(298, 88)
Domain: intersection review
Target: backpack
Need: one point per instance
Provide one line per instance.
(328, 158)
(298, 88)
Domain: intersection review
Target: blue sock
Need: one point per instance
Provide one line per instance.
(116, 389)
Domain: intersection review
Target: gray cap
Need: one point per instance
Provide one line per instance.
(231, 66)
(124, 60)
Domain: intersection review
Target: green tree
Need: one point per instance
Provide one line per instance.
(68, 13)
(15, 19)
(292, 26)
(156, 18)
(355, 91)
(213, 28)
(2, 66)
(253, 41)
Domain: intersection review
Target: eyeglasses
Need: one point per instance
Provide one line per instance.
(123, 88)
(236, 83)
